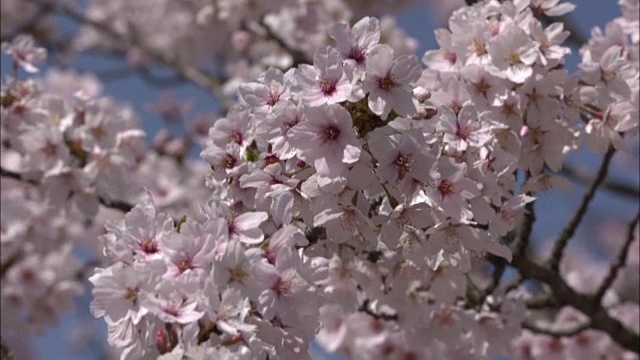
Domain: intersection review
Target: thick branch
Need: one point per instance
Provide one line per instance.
(568, 231)
(192, 74)
(619, 262)
(600, 320)
(113, 204)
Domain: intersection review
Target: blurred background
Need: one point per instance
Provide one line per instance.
(80, 336)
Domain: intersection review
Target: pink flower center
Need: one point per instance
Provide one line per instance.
(149, 246)
(357, 54)
(445, 188)
(386, 83)
(330, 133)
(328, 87)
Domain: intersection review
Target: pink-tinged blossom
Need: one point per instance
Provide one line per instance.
(191, 250)
(171, 305)
(138, 236)
(513, 52)
(551, 7)
(328, 81)
(355, 44)
(445, 58)
(464, 129)
(246, 227)
(505, 219)
(388, 82)
(284, 289)
(271, 89)
(25, 53)
(277, 130)
(326, 139)
(452, 190)
(402, 160)
(235, 128)
(343, 221)
(616, 120)
(271, 184)
(609, 76)
(45, 148)
(116, 291)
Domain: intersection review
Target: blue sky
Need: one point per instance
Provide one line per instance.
(553, 208)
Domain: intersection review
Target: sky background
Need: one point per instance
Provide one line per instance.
(553, 208)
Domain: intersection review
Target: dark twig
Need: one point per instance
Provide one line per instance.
(130, 40)
(618, 263)
(568, 231)
(113, 204)
(566, 332)
(297, 56)
(626, 190)
(364, 307)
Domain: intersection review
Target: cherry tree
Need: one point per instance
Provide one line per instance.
(346, 193)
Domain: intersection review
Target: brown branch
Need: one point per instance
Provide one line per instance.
(568, 231)
(131, 40)
(565, 295)
(618, 263)
(566, 332)
(611, 185)
(112, 204)
(297, 56)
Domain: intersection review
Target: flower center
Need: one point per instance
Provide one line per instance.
(445, 188)
(330, 133)
(149, 246)
(328, 87)
(357, 54)
(386, 83)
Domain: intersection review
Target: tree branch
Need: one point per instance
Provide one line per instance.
(191, 73)
(612, 185)
(618, 263)
(600, 320)
(566, 332)
(568, 231)
(112, 204)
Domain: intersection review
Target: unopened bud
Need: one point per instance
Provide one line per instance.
(300, 163)
(421, 94)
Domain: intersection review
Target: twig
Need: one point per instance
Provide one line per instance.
(526, 227)
(568, 231)
(612, 185)
(297, 56)
(113, 204)
(194, 75)
(382, 316)
(566, 332)
(618, 263)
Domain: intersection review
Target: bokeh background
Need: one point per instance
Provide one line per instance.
(80, 336)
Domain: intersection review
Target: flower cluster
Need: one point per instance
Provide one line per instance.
(243, 38)
(353, 196)
(350, 197)
(70, 158)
